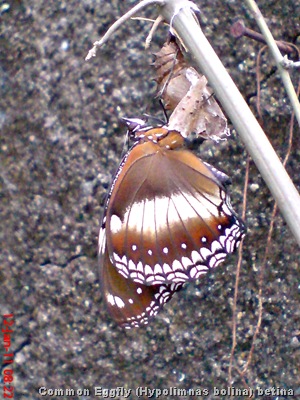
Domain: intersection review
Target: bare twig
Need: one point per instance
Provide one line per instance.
(118, 23)
(237, 278)
(158, 20)
(277, 57)
(239, 29)
(258, 88)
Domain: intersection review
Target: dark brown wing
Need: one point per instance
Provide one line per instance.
(169, 219)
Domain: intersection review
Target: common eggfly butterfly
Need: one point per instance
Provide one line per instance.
(167, 220)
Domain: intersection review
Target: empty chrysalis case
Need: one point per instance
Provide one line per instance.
(187, 95)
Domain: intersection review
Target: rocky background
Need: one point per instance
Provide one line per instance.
(61, 141)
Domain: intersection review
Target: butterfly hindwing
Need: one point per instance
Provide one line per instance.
(130, 304)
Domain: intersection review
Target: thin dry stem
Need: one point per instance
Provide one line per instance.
(237, 279)
(258, 60)
(115, 26)
(242, 372)
(157, 22)
(279, 59)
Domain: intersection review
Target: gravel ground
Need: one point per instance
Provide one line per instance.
(61, 141)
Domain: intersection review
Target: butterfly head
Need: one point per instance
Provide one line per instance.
(140, 131)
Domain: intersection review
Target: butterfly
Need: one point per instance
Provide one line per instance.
(167, 220)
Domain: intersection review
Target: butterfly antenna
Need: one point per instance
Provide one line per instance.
(164, 111)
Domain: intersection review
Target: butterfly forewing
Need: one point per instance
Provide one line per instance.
(169, 218)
